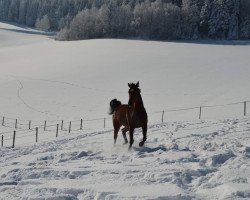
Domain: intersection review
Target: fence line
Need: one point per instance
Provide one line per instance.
(67, 126)
(16, 123)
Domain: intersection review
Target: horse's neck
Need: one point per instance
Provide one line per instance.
(138, 104)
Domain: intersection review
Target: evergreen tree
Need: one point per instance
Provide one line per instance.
(244, 18)
(204, 18)
(190, 19)
(219, 20)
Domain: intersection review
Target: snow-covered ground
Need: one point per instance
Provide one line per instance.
(183, 158)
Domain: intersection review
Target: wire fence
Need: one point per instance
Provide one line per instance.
(34, 130)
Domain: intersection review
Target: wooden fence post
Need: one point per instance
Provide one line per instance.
(245, 108)
(62, 125)
(162, 117)
(81, 125)
(3, 122)
(2, 140)
(45, 123)
(16, 124)
(104, 123)
(200, 113)
(36, 134)
(14, 138)
(57, 127)
(69, 126)
(29, 124)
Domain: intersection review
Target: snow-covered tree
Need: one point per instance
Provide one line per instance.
(190, 19)
(224, 19)
(157, 19)
(13, 13)
(31, 13)
(169, 25)
(4, 9)
(204, 17)
(219, 20)
(234, 7)
(63, 34)
(244, 18)
(22, 11)
(43, 24)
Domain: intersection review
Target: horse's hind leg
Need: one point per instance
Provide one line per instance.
(124, 130)
(144, 132)
(116, 130)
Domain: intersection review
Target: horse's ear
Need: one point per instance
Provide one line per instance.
(129, 85)
(137, 84)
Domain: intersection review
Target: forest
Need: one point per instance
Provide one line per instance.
(145, 19)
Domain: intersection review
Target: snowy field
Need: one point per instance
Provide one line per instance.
(183, 158)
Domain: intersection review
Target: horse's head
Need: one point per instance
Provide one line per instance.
(134, 92)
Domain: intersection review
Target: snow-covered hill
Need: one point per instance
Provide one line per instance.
(78, 79)
(183, 158)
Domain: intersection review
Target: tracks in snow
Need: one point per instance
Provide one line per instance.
(20, 88)
(198, 158)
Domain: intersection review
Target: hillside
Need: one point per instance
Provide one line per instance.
(84, 76)
(183, 158)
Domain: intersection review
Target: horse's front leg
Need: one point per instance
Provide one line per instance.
(131, 137)
(144, 132)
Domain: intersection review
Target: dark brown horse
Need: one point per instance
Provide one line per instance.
(132, 115)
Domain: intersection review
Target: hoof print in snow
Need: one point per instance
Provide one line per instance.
(159, 149)
(62, 197)
(174, 147)
(8, 183)
(220, 159)
(44, 158)
(242, 194)
(82, 154)
(246, 152)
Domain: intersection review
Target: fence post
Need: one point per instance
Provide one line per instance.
(16, 124)
(3, 122)
(81, 125)
(245, 108)
(200, 113)
(62, 125)
(45, 123)
(104, 123)
(162, 117)
(14, 138)
(2, 140)
(69, 126)
(36, 134)
(29, 124)
(57, 127)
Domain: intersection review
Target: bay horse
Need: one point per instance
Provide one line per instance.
(132, 115)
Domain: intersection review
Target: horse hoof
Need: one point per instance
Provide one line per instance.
(125, 143)
(141, 144)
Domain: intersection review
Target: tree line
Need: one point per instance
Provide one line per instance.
(149, 19)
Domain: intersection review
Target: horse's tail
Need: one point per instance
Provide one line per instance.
(113, 105)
